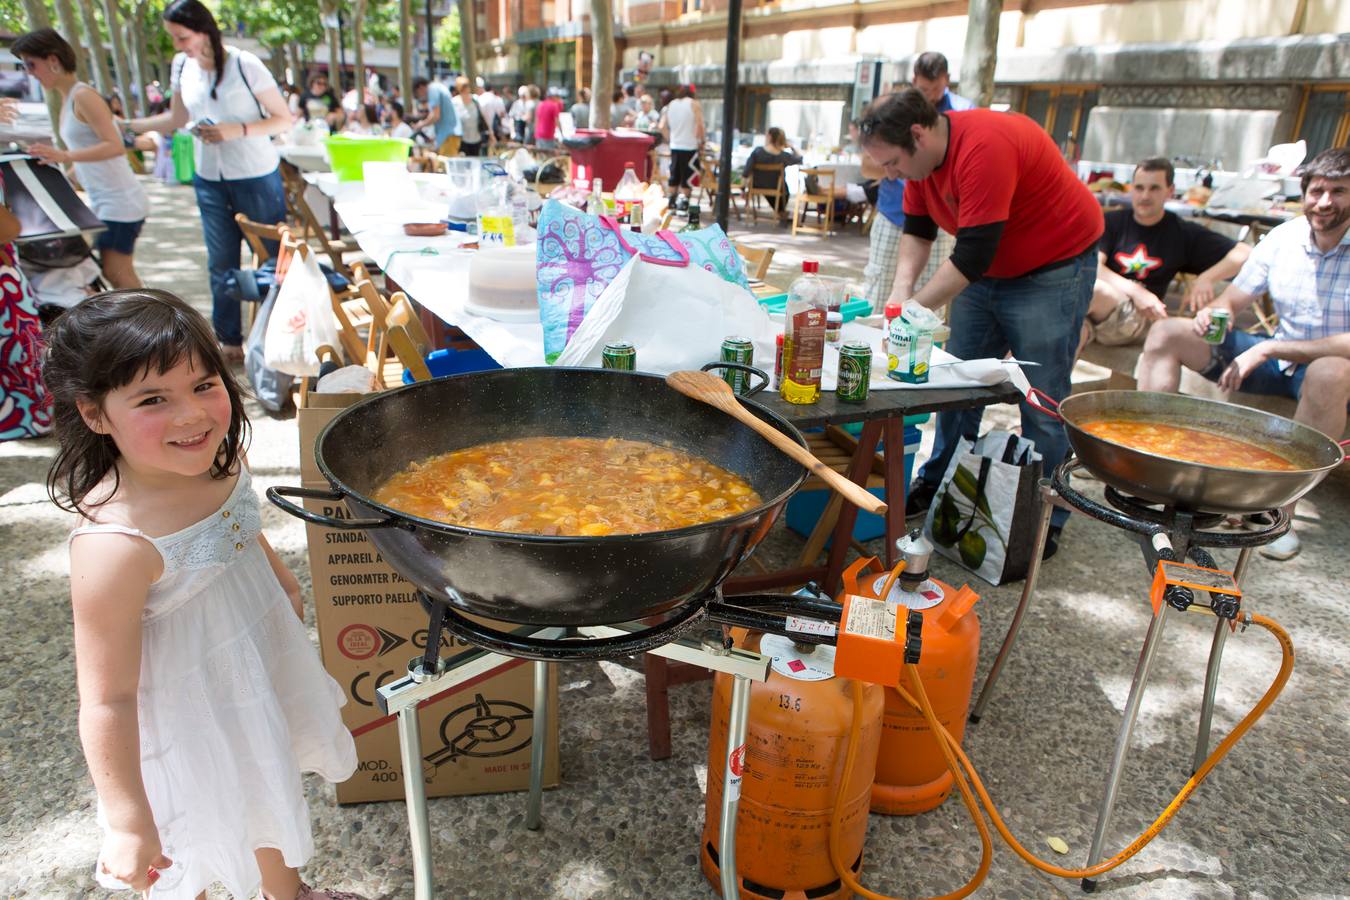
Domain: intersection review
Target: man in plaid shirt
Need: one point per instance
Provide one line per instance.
(1305, 267)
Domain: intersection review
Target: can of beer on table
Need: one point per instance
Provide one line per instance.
(741, 350)
(855, 371)
(619, 355)
(1218, 325)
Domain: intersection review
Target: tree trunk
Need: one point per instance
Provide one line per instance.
(981, 53)
(119, 52)
(468, 44)
(70, 28)
(405, 54)
(329, 10)
(141, 45)
(602, 62)
(358, 46)
(293, 61)
(38, 17)
(93, 36)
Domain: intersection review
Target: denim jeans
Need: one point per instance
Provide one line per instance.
(1038, 317)
(261, 199)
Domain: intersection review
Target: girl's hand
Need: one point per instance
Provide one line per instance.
(49, 154)
(134, 858)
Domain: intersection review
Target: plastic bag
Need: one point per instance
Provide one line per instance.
(272, 388)
(302, 319)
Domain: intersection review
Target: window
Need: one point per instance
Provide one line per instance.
(752, 117)
(1061, 110)
(1324, 120)
(691, 6)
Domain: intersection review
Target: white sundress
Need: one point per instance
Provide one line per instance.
(233, 703)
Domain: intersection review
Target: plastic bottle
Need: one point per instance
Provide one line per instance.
(496, 220)
(628, 191)
(804, 336)
(595, 203)
(890, 313)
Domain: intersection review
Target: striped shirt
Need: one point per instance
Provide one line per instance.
(1311, 289)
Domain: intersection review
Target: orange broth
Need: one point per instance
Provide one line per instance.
(1188, 444)
(568, 486)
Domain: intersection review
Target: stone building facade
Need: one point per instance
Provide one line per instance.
(1217, 81)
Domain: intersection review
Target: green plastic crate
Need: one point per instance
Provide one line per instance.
(776, 305)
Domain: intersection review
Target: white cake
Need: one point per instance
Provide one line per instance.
(503, 284)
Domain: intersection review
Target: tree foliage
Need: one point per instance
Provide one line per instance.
(448, 38)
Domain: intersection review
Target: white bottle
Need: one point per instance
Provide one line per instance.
(628, 191)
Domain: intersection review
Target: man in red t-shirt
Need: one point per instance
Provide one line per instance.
(546, 121)
(1025, 260)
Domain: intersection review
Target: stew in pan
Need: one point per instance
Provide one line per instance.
(1188, 444)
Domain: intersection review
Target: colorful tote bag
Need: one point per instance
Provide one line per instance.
(25, 407)
(578, 255)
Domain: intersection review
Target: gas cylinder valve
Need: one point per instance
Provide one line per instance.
(915, 550)
(913, 636)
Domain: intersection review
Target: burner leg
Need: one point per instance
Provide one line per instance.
(1141, 670)
(731, 784)
(1028, 588)
(538, 746)
(415, 795)
(1212, 670)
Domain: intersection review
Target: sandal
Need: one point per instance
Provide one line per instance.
(308, 893)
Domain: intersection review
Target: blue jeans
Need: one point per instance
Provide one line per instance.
(261, 199)
(1038, 317)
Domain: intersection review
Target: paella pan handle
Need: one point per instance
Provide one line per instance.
(1042, 401)
(278, 495)
(749, 370)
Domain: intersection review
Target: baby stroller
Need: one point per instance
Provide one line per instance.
(53, 243)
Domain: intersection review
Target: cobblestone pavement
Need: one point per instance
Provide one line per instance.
(1272, 822)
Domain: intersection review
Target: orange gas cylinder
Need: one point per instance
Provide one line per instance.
(912, 775)
(796, 738)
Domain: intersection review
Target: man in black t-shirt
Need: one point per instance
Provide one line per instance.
(1142, 250)
(319, 101)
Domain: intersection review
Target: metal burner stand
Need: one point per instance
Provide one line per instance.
(429, 675)
(1164, 533)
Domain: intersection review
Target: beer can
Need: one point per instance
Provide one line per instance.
(855, 372)
(619, 355)
(738, 350)
(1218, 326)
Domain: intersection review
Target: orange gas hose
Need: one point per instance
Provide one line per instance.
(960, 764)
(1276, 686)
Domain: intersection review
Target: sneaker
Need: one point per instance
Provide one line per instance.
(1051, 542)
(682, 203)
(1286, 547)
(919, 497)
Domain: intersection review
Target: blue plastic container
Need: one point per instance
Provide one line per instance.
(455, 362)
(806, 507)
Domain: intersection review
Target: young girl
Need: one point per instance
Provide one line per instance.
(201, 698)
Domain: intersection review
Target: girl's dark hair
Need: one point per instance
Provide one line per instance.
(105, 343)
(194, 16)
(43, 43)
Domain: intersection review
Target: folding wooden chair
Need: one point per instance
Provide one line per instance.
(772, 195)
(258, 235)
(307, 222)
(757, 260)
(405, 337)
(823, 197)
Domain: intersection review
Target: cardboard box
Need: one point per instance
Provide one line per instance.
(476, 736)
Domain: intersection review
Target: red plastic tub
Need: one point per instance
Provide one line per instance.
(603, 154)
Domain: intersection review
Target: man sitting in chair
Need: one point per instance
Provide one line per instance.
(1305, 267)
(1142, 250)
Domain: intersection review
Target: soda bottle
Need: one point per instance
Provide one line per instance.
(595, 204)
(804, 336)
(628, 191)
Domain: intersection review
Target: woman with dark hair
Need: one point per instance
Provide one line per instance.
(236, 107)
(94, 147)
(775, 152)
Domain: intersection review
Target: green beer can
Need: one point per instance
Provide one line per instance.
(855, 372)
(1218, 326)
(738, 350)
(619, 355)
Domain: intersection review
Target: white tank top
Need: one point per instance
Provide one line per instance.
(680, 117)
(114, 192)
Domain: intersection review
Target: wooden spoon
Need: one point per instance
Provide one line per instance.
(712, 390)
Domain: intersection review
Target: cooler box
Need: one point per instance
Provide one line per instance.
(603, 155)
(182, 150)
(805, 507)
(455, 362)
